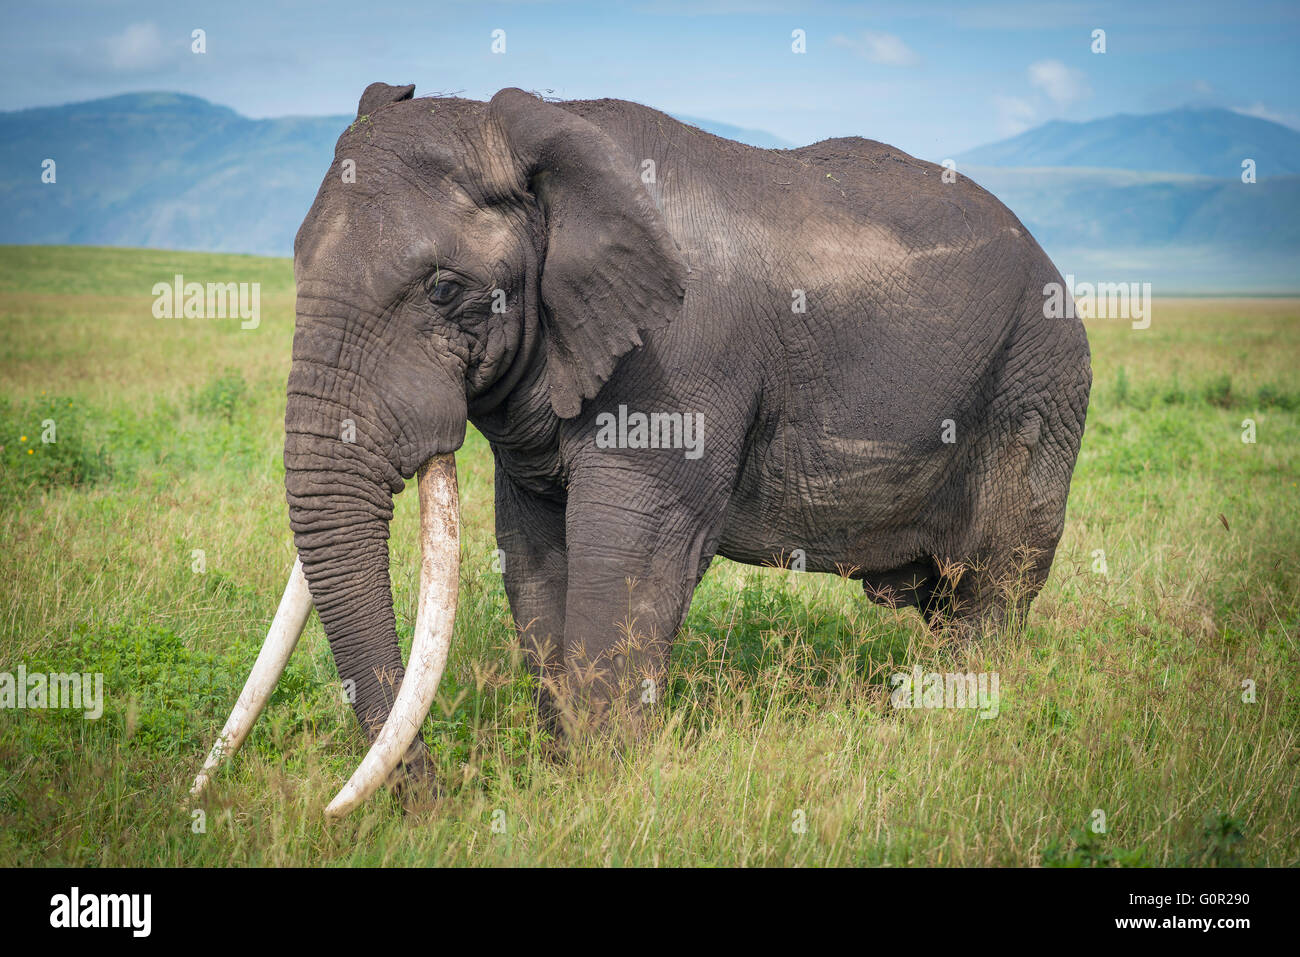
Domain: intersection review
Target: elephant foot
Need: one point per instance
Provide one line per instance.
(962, 632)
(415, 781)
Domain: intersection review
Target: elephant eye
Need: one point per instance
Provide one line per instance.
(443, 292)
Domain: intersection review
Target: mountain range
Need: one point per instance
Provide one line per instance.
(1198, 142)
(1156, 198)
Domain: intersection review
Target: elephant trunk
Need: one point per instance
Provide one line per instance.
(340, 519)
(340, 506)
(434, 622)
(340, 493)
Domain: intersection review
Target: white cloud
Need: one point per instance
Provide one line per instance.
(1260, 111)
(1056, 85)
(137, 48)
(1062, 85)
(883, 48)
(1014, 114)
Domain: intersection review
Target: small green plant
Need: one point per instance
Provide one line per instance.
(1223, 836)
(1051, 717)
(1270, 396)
(1218, 391)
(1088, 851)
(222, 396)
(45, 443)
(1121, 387)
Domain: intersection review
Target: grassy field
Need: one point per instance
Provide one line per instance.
(776, 744)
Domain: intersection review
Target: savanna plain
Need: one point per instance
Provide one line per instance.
(1155, 681)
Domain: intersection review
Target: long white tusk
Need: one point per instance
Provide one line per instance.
(434, 620)
(290, 619)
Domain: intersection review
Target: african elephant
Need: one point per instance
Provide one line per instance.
(677, 347)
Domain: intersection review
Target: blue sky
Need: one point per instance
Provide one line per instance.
(931, 78)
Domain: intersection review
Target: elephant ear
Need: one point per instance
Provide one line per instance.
(381, 94)
(612, 271)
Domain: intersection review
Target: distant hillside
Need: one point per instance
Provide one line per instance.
(1201, 142)
(162, 170)
(1081, 207)
(1157, 198)
(1184, 234)
(171, 171)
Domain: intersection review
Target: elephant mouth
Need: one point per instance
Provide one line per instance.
(434, 623)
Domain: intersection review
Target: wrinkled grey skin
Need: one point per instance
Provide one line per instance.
(823, 429)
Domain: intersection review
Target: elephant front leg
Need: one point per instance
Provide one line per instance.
(534, 569)
(631, 577)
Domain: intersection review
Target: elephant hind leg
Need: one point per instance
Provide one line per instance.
(911, 585)
(996, 567)
(969, 598)
(987, 594)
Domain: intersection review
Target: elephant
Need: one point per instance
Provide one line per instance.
(677, 347)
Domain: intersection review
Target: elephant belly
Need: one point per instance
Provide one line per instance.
(837, 502)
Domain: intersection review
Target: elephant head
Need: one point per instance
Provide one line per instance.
(453, 249)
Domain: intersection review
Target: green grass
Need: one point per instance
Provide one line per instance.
(1123, 695)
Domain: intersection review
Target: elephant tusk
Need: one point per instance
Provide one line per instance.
(286, 629)
(434, 621)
